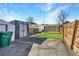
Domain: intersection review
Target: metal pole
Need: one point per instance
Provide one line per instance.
(44, 19)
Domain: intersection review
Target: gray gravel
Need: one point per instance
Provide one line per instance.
(21, 47)
(16, 49)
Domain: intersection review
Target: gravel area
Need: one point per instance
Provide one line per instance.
(21, 47)
(16, 49)
(33, 40)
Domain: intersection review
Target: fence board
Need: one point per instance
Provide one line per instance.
(71, 35)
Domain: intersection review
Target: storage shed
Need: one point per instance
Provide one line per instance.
(21, 28)
(5, 26)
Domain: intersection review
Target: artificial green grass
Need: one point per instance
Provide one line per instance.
(49, 35)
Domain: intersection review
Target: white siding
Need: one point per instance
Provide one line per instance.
(41, 27)
(2, 28)
(11, 28)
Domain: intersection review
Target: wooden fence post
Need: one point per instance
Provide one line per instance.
(59, 29)
(63, 31)
(74, 32)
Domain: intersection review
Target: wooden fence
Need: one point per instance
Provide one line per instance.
(51, 28)
(71, 35)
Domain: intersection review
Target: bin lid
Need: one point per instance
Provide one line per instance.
(6, 32)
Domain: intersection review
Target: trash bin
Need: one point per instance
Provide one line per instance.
(9, 38)
(5, 38)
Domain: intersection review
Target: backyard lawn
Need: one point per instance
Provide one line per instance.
(48, 35)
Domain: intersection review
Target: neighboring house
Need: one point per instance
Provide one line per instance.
(41, 27)
(33, 28)
(5, 26)
(21, 28)
(66, 22)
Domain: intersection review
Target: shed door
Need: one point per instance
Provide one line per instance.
(2, 28)
(25, 30)
(22, 30)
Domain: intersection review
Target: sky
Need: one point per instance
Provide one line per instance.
(41, 12)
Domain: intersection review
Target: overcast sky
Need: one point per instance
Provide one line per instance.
(41, 12)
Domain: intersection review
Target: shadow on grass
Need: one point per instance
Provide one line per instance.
(53, 32)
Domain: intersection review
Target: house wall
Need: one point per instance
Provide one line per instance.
(2, 27)
(10, 27)
(41, 28)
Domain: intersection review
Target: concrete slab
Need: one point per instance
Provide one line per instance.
(50, 47)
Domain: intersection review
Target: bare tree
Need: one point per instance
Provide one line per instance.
(30, 19)
(62, 18)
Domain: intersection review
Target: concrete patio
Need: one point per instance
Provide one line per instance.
(50, 47)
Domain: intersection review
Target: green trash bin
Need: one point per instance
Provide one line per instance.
(9, 38)
(5, 38)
